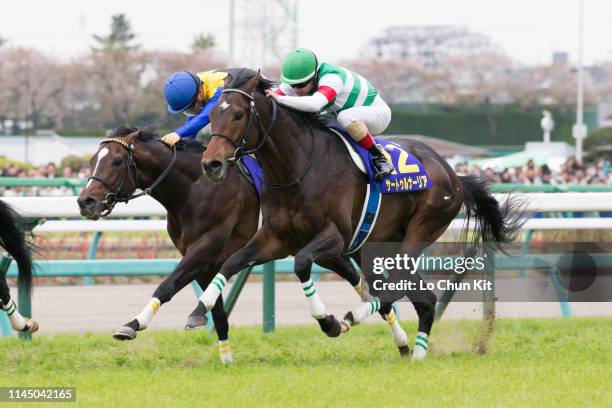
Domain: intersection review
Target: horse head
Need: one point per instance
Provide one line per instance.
(120, 166)
(236, 126)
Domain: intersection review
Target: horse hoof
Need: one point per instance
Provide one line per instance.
(31, 326)
(344, 327)
(336, 328)
(349, 319)
(196, 322)
(404, 351)
(125, 333)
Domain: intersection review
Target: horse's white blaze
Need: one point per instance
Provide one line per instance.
(224, 105)
(103, 152)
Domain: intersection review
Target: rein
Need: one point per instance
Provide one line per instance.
(114, 196)
(240, 144)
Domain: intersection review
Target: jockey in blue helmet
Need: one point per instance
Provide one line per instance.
(195, 95)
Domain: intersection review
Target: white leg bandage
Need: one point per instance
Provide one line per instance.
(362, 290)
(145, 317)
(225, 353)
(365, 310)
(421, 346)
(399, 335)
(18, 322)
(212, 292)
(317, 308)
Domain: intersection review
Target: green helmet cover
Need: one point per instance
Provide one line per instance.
(298, 66)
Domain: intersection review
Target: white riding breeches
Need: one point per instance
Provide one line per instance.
(376, 117)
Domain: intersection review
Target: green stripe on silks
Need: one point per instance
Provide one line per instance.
(371, 94)
(423, 346)
(308, 287)
(311, 293)
(218, 286)
(422, 338)
(352, 98)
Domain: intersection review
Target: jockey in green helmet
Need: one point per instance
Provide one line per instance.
(310, 86)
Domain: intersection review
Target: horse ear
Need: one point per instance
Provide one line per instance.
(253, 83)
(133, 136)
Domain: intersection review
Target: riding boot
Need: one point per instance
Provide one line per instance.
(381, 165)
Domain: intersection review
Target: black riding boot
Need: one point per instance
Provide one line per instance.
(381, 164)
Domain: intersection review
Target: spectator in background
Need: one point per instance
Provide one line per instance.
(67, 172)
(51, 170)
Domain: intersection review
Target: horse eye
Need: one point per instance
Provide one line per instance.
(117, 162)
(238, 115)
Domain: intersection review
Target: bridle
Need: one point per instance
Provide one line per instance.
(240, 144)
(114, 196)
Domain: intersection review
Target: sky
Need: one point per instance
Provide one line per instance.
(527, 30)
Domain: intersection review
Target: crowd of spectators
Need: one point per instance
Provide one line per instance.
(570, 173)
(49, 171)
(598, 173)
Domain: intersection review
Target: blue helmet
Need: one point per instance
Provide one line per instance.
(181, 91)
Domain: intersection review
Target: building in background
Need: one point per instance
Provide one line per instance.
(428, 46)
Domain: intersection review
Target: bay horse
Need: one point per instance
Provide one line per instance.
(313, 197)
(206, 221)
(13, 240)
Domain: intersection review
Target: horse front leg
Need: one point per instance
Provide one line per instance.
(263, 247)
(328, 244)
(204, 252)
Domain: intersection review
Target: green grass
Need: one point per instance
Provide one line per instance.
(535, 362)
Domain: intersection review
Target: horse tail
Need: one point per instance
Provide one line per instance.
(496, 224)
(13, 240)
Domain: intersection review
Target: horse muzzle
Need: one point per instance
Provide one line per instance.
(215, 170)
(90, 208)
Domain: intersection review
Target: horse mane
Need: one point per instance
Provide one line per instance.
(243, 76)
(149, 134)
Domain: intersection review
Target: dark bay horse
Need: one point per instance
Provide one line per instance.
(206, 221)
(13, 240)
(313, 199)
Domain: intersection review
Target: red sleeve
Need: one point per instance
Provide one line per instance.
(279, 92)
(328, 92)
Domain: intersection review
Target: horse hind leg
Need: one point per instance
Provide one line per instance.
(197, 318)
(222, 328)
(346, 270)
(424, 228)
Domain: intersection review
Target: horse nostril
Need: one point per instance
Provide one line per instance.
(212, 167)
(86, 202)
